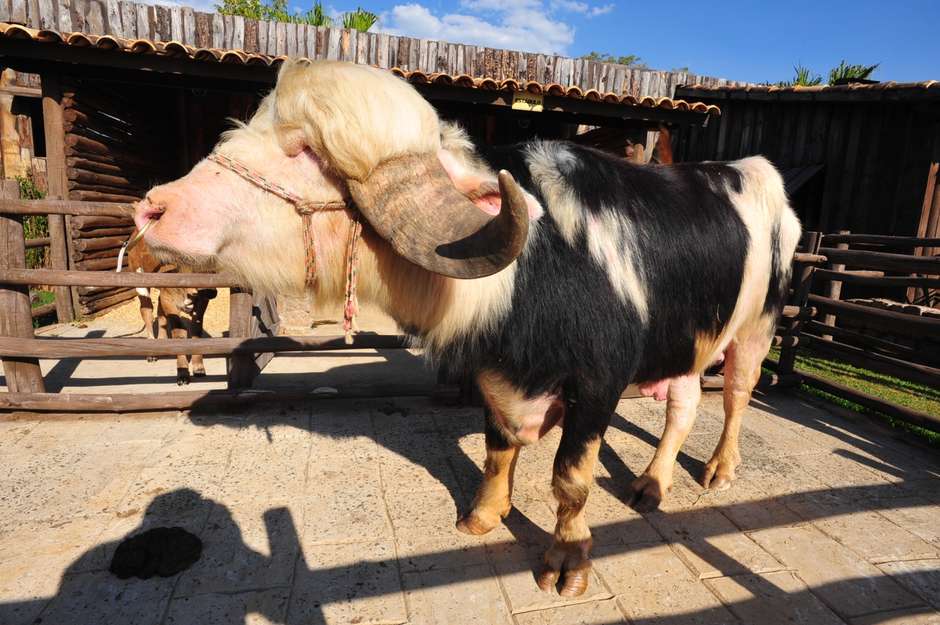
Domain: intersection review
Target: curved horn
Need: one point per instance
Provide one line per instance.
(412, 204)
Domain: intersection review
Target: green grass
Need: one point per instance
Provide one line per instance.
(902, 392)
(41, 298)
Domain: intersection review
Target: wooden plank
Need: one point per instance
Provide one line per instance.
(228, 32)
(866, 341)
(866, 359)
(877, 319)
(144, 28)
(57, 182)
(54, 277)
(921, 419)
(884, 261)
(109, 347)
(215, 399)
(65, 207)
(22, 372)
(218, 31)
(238, 32)
(886, 240)
(241, 368)
(877, 281)
(189, 26)
(176, 23)
(128, 18)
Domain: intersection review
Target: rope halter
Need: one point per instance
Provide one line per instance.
(306, 209)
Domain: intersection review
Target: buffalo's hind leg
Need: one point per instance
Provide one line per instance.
(493, 499)
(743, 359)
(572, 478)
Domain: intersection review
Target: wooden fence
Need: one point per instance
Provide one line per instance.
(865, 332)
(250, 344)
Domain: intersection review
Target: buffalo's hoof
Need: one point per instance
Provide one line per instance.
(566, 568)
(479, 522)
(182, 377)
(151, 359)
(718, 474)
(646, 493)
(199, 372)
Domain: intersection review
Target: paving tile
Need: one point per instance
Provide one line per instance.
(837, 470)
(161, 492)
(264, 607)
(416, 472)
(593, 613)
(243, 548)
(845, 581)
(354, 516)
(351, 583)
(909, 616)
(872, 535)
(431, 597)
(916, 517)
(711, 545)
(653, 585)
(613, 522)
(779, 598)
(922, 577)
(99, 597)
(517, 565)
(276, 472)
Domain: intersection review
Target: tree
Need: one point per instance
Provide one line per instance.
(276, 11)
(360, 20)
(803, 77)
(846, 73)
(631, 59)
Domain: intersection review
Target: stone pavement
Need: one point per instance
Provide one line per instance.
(343, 512)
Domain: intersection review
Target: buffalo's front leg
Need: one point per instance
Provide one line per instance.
(494, 497)
(572, 477)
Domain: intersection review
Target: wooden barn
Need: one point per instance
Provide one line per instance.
(103, 99)
(859, 157)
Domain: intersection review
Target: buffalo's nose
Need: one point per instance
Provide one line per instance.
(151, 207)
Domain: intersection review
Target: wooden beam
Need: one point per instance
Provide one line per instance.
(21, 371)
(198, 400)
(921, 419)
(110, 278)
(20, 91)
(855, 277)
(241, 368)
(878, 239)
(878, 319)
(883, 260)
(57, 181)
(106, 347)
(65, 207)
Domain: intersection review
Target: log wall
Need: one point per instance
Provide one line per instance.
(873, 156)
(115, 150)
(226, 32)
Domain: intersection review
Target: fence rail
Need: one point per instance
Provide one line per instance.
(251, 343)
(897, 343)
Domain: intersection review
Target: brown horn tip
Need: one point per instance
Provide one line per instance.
(412, 204)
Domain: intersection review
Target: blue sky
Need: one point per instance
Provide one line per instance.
(735, 39)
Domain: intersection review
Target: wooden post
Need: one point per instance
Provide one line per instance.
(54, 128)
(835, 288)
(242, 369)
(22, 374)
(802, 281)
(929, 224)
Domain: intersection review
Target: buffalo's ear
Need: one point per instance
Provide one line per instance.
(483, 191)
(294, 142)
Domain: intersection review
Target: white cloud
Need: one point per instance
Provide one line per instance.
(528, 25)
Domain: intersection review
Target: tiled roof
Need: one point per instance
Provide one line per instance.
(889, 90)
(175, 49)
